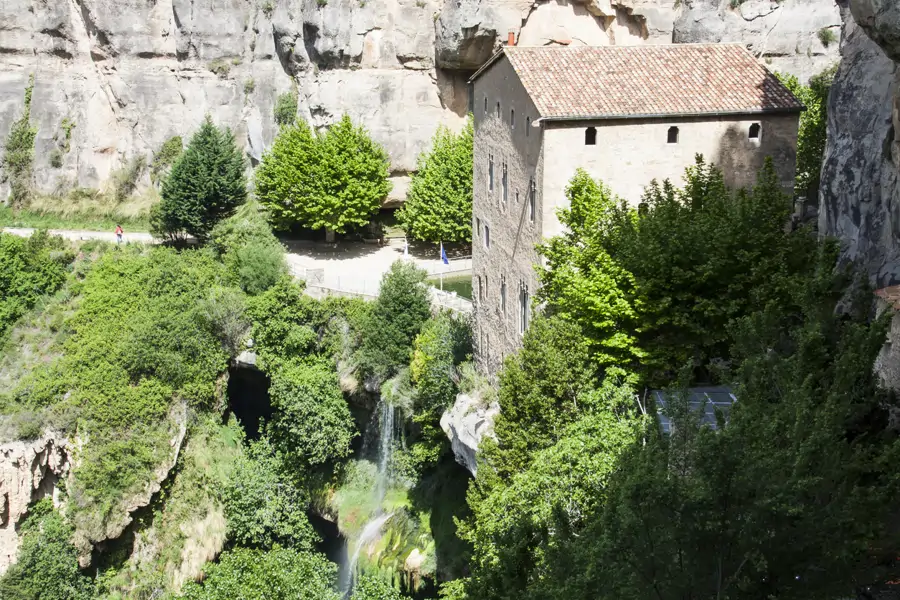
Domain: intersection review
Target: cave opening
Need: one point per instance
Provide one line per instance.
(248, 399)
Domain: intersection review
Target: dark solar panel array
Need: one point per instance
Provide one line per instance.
(703, 402)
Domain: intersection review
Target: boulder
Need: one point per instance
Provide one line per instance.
(467, 423)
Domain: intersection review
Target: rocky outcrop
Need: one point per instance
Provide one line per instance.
(29, 471)
(123, 77)
(859, 201)
(93, 527)
(467, 423)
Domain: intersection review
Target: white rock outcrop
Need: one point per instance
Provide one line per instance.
(29, 471)
(131, 74)
(467, 423)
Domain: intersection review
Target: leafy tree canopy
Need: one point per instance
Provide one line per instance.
(334, 181)
(438, 205)
(370, 587)
(206, 184)
(264, 575)
(812, 134)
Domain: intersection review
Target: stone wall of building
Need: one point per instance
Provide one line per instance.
(628, 155)
(511, 256)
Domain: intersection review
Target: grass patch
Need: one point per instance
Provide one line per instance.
(87, 209)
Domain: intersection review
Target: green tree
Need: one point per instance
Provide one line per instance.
(206, 184)
(264, 507)
(285, 110)
(813, 124)
(18, 157)
(254, 257)
(334, 181)
(257, 575)
(47, 566)
(438, 205)
(397, 316)
(582, 283)
(312, 423)
(790, 499)
(370, 587)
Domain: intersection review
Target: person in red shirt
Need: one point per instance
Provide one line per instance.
(119, 233)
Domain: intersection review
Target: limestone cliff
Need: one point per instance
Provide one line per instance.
(132, 73)
(860, 194)
(29, 471)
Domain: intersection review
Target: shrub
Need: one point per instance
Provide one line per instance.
(336, 181)
(47, 566)
(249, 86)
(827, 36)
(268, 7)
(397, 316)
(224, 313)
(264, 507)
(125, 178)
(18, 158)
(369, 587)
(438, 206)
(170, 150)
(257, 266)
(206, 185)
(258, 575)
(220, 67)
(312, 424)
(286, 108)
(56, 158)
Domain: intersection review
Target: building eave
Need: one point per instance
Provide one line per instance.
(734, 113)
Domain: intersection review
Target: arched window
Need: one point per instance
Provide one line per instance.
(590, 136)
(673, 135)
(754, 131)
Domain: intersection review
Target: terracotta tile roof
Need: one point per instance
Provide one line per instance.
(891, 295)
(632, 81)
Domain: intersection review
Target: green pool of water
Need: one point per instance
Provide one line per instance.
(461, 284)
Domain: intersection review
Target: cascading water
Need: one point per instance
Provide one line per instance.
(372, 528)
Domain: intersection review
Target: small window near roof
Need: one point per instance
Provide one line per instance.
(527, 125)
(512, 118)
(754, 131)
(673, 135)
(485, 104)
(498, 110)
(590, 136)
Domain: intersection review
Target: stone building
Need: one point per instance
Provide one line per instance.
(627, 115)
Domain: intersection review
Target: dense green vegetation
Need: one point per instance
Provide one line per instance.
(579, 495)
(813, 125)
(438, 204)
(334, 181)
(206, 184)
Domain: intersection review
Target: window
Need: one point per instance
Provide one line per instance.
(490, 172)
(505, 184)
(480, 290)
(498, 110)
(512, 119)
(531, 200)
(523, 307)
(487, 236)
(503, 294)
(754, 131)
(517, 197)
(527, 126)
(477, 227)
(485, 287)
(590, 136)
(485, 104)
(673, 135)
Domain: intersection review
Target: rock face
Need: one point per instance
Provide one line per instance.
(859, 201)
(128, 75)
(29, 471)
(467, 423)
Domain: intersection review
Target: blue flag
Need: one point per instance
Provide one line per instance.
(444, 255)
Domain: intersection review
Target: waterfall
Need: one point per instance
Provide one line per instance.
(372, 528)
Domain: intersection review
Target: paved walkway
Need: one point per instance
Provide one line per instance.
(349, 266)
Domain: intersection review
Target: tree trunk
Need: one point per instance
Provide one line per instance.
(329, 235)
